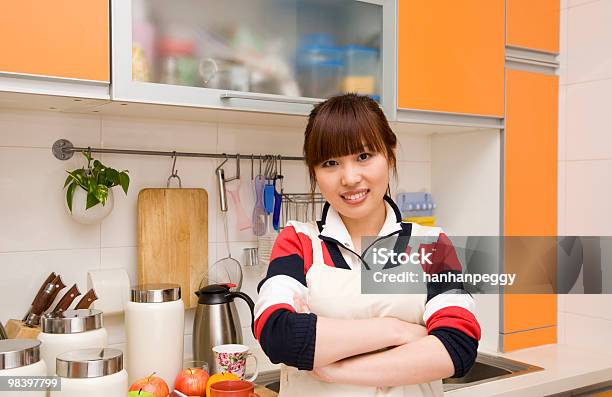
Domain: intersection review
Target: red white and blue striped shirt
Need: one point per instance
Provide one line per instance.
(289, 337)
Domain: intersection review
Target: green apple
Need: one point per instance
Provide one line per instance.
(140, 393)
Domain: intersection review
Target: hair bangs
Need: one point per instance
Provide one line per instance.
(343, 131)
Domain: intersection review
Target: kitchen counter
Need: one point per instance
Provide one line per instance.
(565, 368)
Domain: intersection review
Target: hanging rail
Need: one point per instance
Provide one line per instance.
(63, 149)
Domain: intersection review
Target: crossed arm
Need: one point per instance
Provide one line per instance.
(345, 352)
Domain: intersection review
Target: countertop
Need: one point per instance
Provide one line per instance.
(565, 368)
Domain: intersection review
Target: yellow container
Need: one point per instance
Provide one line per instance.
(422, 220)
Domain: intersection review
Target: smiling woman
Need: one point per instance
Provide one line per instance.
(311, 313)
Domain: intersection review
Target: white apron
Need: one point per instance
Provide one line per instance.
(328, 284)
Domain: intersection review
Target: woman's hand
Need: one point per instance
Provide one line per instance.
(300, 305)
(326, 373)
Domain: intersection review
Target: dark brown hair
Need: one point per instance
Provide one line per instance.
(343, 125)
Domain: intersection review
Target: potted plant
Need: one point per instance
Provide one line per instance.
(89, 195)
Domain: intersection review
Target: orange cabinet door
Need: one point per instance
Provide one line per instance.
(530, 200)
(61, 38)
(451, 56)
(533, 24)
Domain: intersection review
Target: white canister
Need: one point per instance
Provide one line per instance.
(91, 373)
(155, 328)
(70, 330)
(21, 357)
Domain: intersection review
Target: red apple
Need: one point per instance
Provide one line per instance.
(152, 384)
(192, 382)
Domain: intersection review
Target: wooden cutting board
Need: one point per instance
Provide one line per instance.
(173, 238)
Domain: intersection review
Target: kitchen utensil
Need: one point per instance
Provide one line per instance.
(48, 280)
(233, 388)
(266, 242)
(3, 334)
(226, 270)
(221, 181)
(278, 196)
(67, 299)
(87, 300)
(173, 238)
(92, 373)
(57, 286)
(232, 358)
(155, 328)
(250, 256)
(259, 212)
(70, 330)
(216, 321)
(44, 301)
(242, 220)
(269, 187)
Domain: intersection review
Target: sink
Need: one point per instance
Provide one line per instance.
(487, 368)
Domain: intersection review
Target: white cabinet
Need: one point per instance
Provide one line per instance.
(278, 56)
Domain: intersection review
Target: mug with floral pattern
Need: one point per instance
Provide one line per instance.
(232, 358)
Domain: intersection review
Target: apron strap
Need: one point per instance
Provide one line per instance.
(317, 251)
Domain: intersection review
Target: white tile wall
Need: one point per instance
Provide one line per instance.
(588, 41)
(588, 111)
(37, 235)
(585, 158)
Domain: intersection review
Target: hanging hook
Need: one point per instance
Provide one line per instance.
(252, 161)
(174, 173)
(223, 162)
(237, 166)
(88, 160)
(220, 173)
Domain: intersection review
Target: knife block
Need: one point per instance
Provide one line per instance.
(16, 329)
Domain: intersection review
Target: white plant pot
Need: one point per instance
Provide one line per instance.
(92, 215)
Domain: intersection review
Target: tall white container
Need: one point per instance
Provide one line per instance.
(91, 373)
(155, 328)
(21, 357)
(70, 330)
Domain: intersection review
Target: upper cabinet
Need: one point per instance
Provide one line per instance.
(65, 39)
(262, 55)
(534, 24)
(451, 56)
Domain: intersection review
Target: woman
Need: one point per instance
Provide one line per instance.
(311, 316)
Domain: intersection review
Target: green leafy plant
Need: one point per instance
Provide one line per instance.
(96, 181)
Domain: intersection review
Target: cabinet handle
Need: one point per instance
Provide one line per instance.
(271, 98)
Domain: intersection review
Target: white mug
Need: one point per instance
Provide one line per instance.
(232, 358)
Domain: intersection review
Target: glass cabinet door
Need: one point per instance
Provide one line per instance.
(278, 50)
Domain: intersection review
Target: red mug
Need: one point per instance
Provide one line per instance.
(232, 388)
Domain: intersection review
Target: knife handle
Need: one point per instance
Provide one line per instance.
(40, 291)
(47, 281)
(67, 299)
(58, 285)
(87, 300)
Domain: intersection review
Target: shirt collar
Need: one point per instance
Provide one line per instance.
(332, 226)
